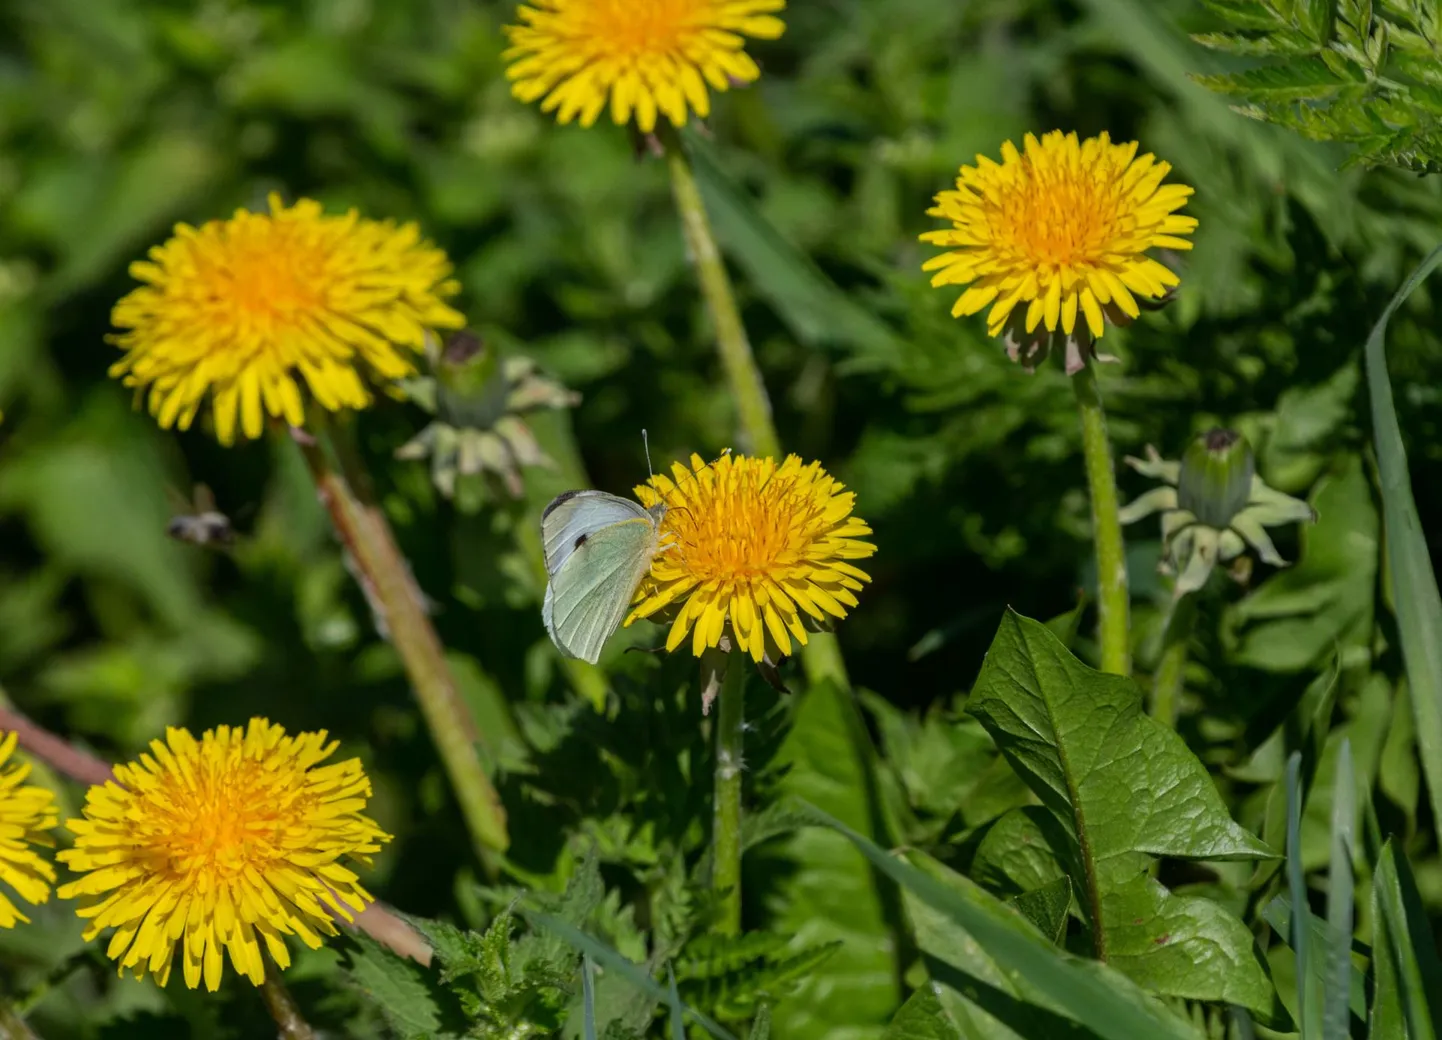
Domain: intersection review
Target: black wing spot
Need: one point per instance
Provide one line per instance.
(581, 540)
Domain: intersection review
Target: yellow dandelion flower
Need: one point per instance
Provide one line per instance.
(643, 56)
(249, 307)
(758, 548)
(218, 844)
(1062, 226)
(26, 815)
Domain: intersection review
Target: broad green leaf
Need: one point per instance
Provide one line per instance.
(1404, 941)
(830, 893)
(923, 1017)
(1340, 896)
(1087, 992)
(1016, 855)
(1414, 584)
(1124, 788)
(978, 995)
(1047, 908)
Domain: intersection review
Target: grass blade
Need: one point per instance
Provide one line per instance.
(1105, 1002)
(1411, 949)
(635, 974)
(811, 304)
(678, 1020)
(1297, 887)
(1414, 583)
(1335, 1017)
(588, 998)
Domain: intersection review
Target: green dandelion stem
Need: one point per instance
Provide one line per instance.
(719, 671)
(821, 657)
(12, 1026)
(282, 1007)
(753, 406)
(386, 580)
(1112, 603)
(1167, 682)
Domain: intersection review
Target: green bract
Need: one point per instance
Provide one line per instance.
(1213, 507)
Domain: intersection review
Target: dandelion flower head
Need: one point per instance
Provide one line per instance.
(1062, 226)
(760, 548)
(642, 57)
(249, 309)
(27, 813)
(220, 845)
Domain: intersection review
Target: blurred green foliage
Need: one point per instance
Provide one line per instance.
(120, 117)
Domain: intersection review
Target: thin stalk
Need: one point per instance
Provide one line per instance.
(1112, 602)
(752, 404)
(821, 657)
(726, 827)
(282, 1007)
(12, 1026)
(1167, 682)
(386, 579)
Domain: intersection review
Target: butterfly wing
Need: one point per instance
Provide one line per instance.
(589, 593)
(571, 519)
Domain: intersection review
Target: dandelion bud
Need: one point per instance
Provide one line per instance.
(1216, 477)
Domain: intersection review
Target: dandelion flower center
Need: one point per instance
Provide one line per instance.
(644, 57)
(752, 545)
(251, 308)
(1062, 226)
(27, 813)
(220, 844)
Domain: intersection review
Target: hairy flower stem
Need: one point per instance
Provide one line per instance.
(282, 1007)
(1112, 603)
(748, 389)
(821, 656)
(717, 668)
(386, 579)
(1172, 665)
(12, 1026)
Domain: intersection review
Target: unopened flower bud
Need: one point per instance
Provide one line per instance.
(1216, 477)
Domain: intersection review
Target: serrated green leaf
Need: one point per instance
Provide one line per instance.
(1405, 940)
(1306, 80)
(407, 995)
(1245, 14)
(1273, 45)
(1047, 908)
(1414, 584)
(1124, 787)
(1087, 992)
(923, 1017)
(634, 973)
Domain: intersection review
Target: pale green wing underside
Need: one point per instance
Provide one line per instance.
(588, 595)
(574, 517)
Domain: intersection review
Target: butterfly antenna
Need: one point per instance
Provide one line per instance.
(646, 446)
